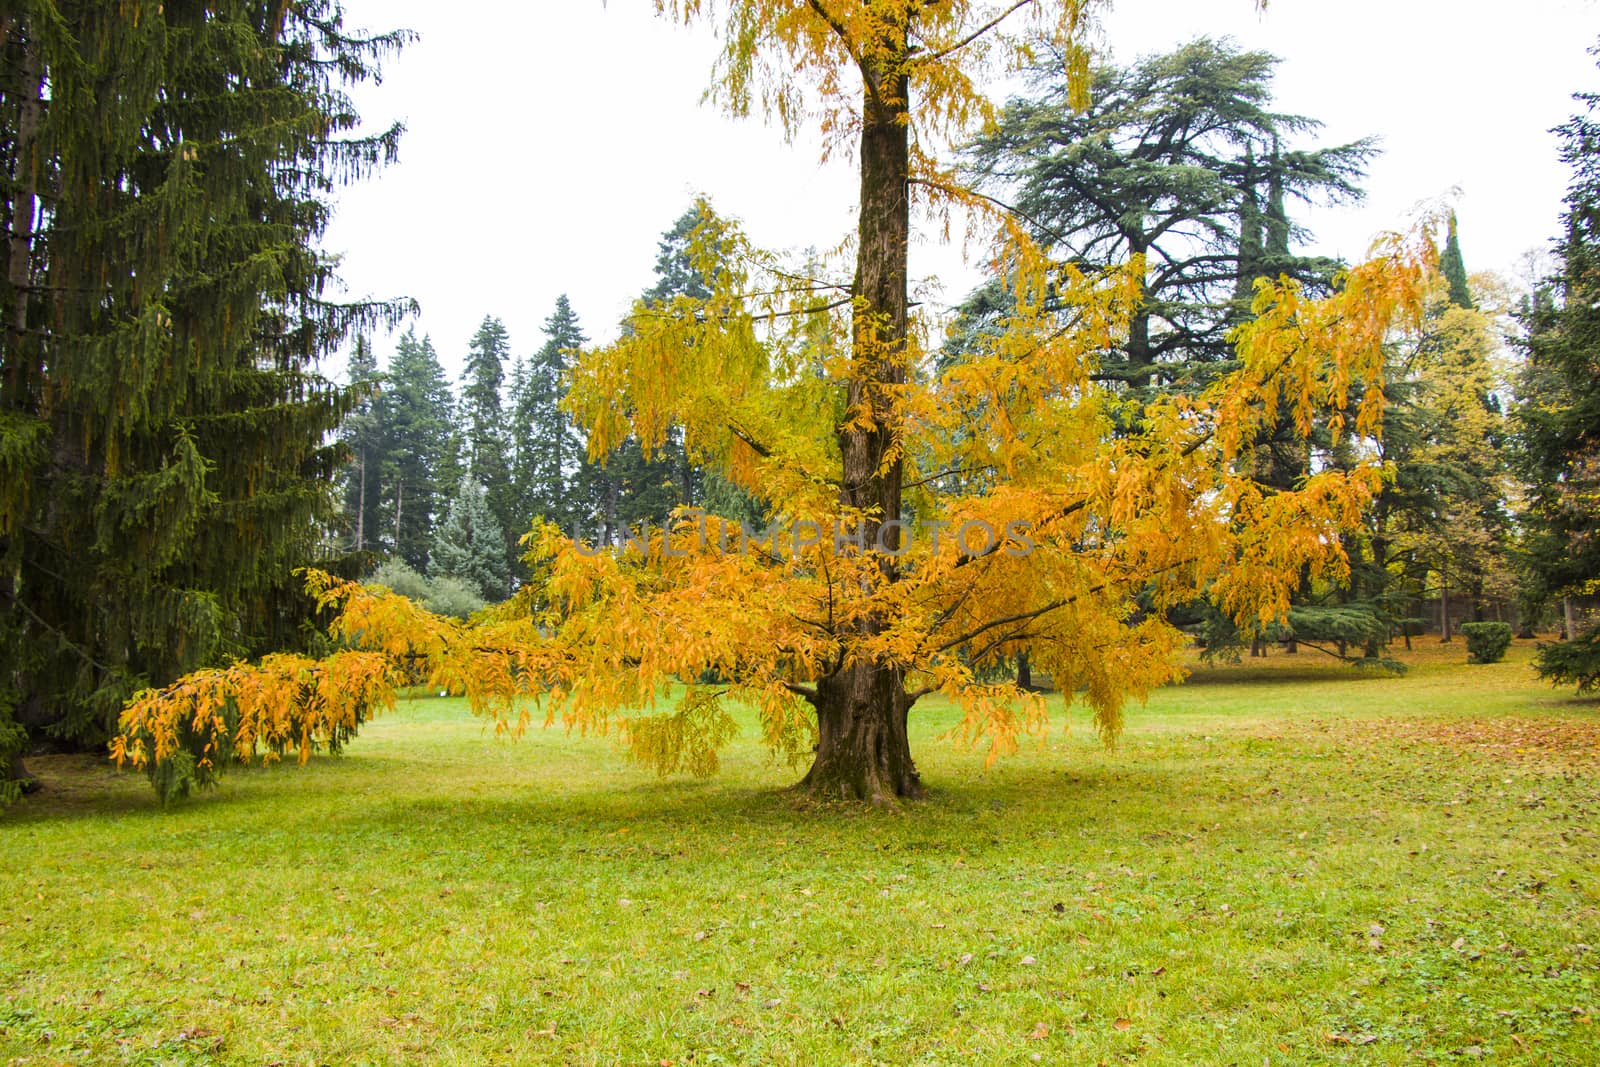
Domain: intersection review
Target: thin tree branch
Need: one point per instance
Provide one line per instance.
(944, 474)
(849, 44)
(934, 57)
(802, 691)
(1023, 616)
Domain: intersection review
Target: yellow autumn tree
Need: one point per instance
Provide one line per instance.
(922, 526)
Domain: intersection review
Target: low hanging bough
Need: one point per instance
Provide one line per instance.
(925, 525)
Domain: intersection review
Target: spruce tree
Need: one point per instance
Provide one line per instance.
(415, 416)
(470, 544)
(631, 489)
(166, 448)
(487, 451)
(548, 449)
(364, 443)
(1558, 410)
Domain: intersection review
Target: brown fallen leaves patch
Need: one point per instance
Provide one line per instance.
(1569, 744)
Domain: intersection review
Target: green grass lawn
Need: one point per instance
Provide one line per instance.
(1283, 864)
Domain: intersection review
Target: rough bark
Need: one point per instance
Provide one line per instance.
(361, 507)
(19, 253)
(863, 752)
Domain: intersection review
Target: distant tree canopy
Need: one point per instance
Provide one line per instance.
(166, 174)
(421, 458)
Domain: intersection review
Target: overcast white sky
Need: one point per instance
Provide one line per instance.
(549, 143)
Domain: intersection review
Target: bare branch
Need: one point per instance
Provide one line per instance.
(934, 57)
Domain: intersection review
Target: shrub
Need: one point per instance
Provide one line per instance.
(449, 595)
(1575, 662)
(398, 577)
(443, 595)
(1486, 641)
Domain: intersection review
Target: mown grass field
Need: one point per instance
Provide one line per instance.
(1284, 864)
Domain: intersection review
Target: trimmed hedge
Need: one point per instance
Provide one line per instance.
(1486, 641)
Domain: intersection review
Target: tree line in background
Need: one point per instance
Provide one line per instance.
(443, 483)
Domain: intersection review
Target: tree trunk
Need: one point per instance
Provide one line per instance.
(1139, 324)
(1024, 672)
(863, 752)
(1444, 613)
(19, 252)
(361, 507)
(1570, 630)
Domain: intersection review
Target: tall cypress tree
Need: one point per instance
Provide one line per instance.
(166, 172)
(420, 468)
(1454, 269)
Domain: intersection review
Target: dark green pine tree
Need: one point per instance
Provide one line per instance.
(166, 445)
(547, 448)
(487, 453)
(1175, 159)
(1557, 416)
(1454, 269)
(1180, 158)
(470, 544)
(364, 443)
(415, 417)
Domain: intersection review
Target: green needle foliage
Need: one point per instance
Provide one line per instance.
(166, 172)
(1559, 408)
(470, 544)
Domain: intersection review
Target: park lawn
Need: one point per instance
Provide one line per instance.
(1283, 863)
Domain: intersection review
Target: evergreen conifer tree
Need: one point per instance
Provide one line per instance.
(415, 419)
(1454, 269)
(1177, 158)
(166, 455)
(361, 438)
(470, 544)
(1558, 410)
(548, 449)
(487, 451)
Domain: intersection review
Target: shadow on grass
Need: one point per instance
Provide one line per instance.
(1320, 674)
